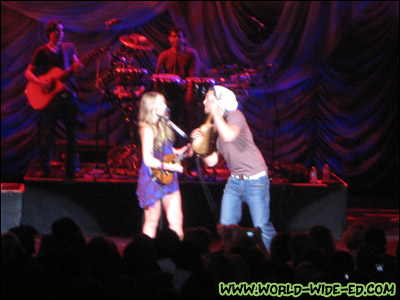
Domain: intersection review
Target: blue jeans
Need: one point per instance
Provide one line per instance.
(255, 193)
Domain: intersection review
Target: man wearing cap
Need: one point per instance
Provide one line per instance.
(249, 180)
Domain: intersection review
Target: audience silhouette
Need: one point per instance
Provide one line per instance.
(68, 265)
(353, 237)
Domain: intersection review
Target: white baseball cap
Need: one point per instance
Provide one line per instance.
(226, 98)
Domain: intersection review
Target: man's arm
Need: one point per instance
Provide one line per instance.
(211, 160)
(77, 65)
(46, 84)
(228, 132)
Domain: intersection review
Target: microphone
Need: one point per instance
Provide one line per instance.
(112, 22)
(167, 120)
(166, 115)
(258, 22)
(177, 129)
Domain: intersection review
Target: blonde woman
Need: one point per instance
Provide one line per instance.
(157, 139)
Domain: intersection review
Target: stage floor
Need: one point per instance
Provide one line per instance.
(294, 175)
(104, 202)
(386, 219)
(100, 172)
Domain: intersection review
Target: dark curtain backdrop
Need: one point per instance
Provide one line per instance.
(327, 93)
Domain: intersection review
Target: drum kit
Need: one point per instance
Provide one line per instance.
(127, 81)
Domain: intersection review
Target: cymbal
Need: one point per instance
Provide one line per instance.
(136, 41)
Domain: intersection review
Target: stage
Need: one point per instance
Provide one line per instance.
(104, 204)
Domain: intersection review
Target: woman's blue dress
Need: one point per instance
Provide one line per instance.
(149, 191)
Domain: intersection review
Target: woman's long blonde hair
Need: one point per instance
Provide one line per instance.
(148, 117)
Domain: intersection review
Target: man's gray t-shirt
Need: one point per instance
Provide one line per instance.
(242, 154)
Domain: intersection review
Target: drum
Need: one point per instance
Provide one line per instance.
(242, 79)
(170, 85)
(196, 89)
(129, 76)
(237, 89)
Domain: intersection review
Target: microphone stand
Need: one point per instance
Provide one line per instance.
(268, 82)
(178, 130)
(161, 221)
(265, 82)
(105, 93)
(276, 122)
(207, 193)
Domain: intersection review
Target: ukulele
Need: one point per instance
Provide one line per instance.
(164, 176)
(203, 144)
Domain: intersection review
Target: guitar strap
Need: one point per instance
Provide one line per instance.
(66, 60)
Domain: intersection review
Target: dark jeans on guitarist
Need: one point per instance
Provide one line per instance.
(65, 104)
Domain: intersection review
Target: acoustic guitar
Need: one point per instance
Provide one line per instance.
(165, 176)
(39, 98)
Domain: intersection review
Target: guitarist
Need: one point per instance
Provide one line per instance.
(61, 55)
(157, 138)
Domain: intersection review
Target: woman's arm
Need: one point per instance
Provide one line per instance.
(147, 138)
